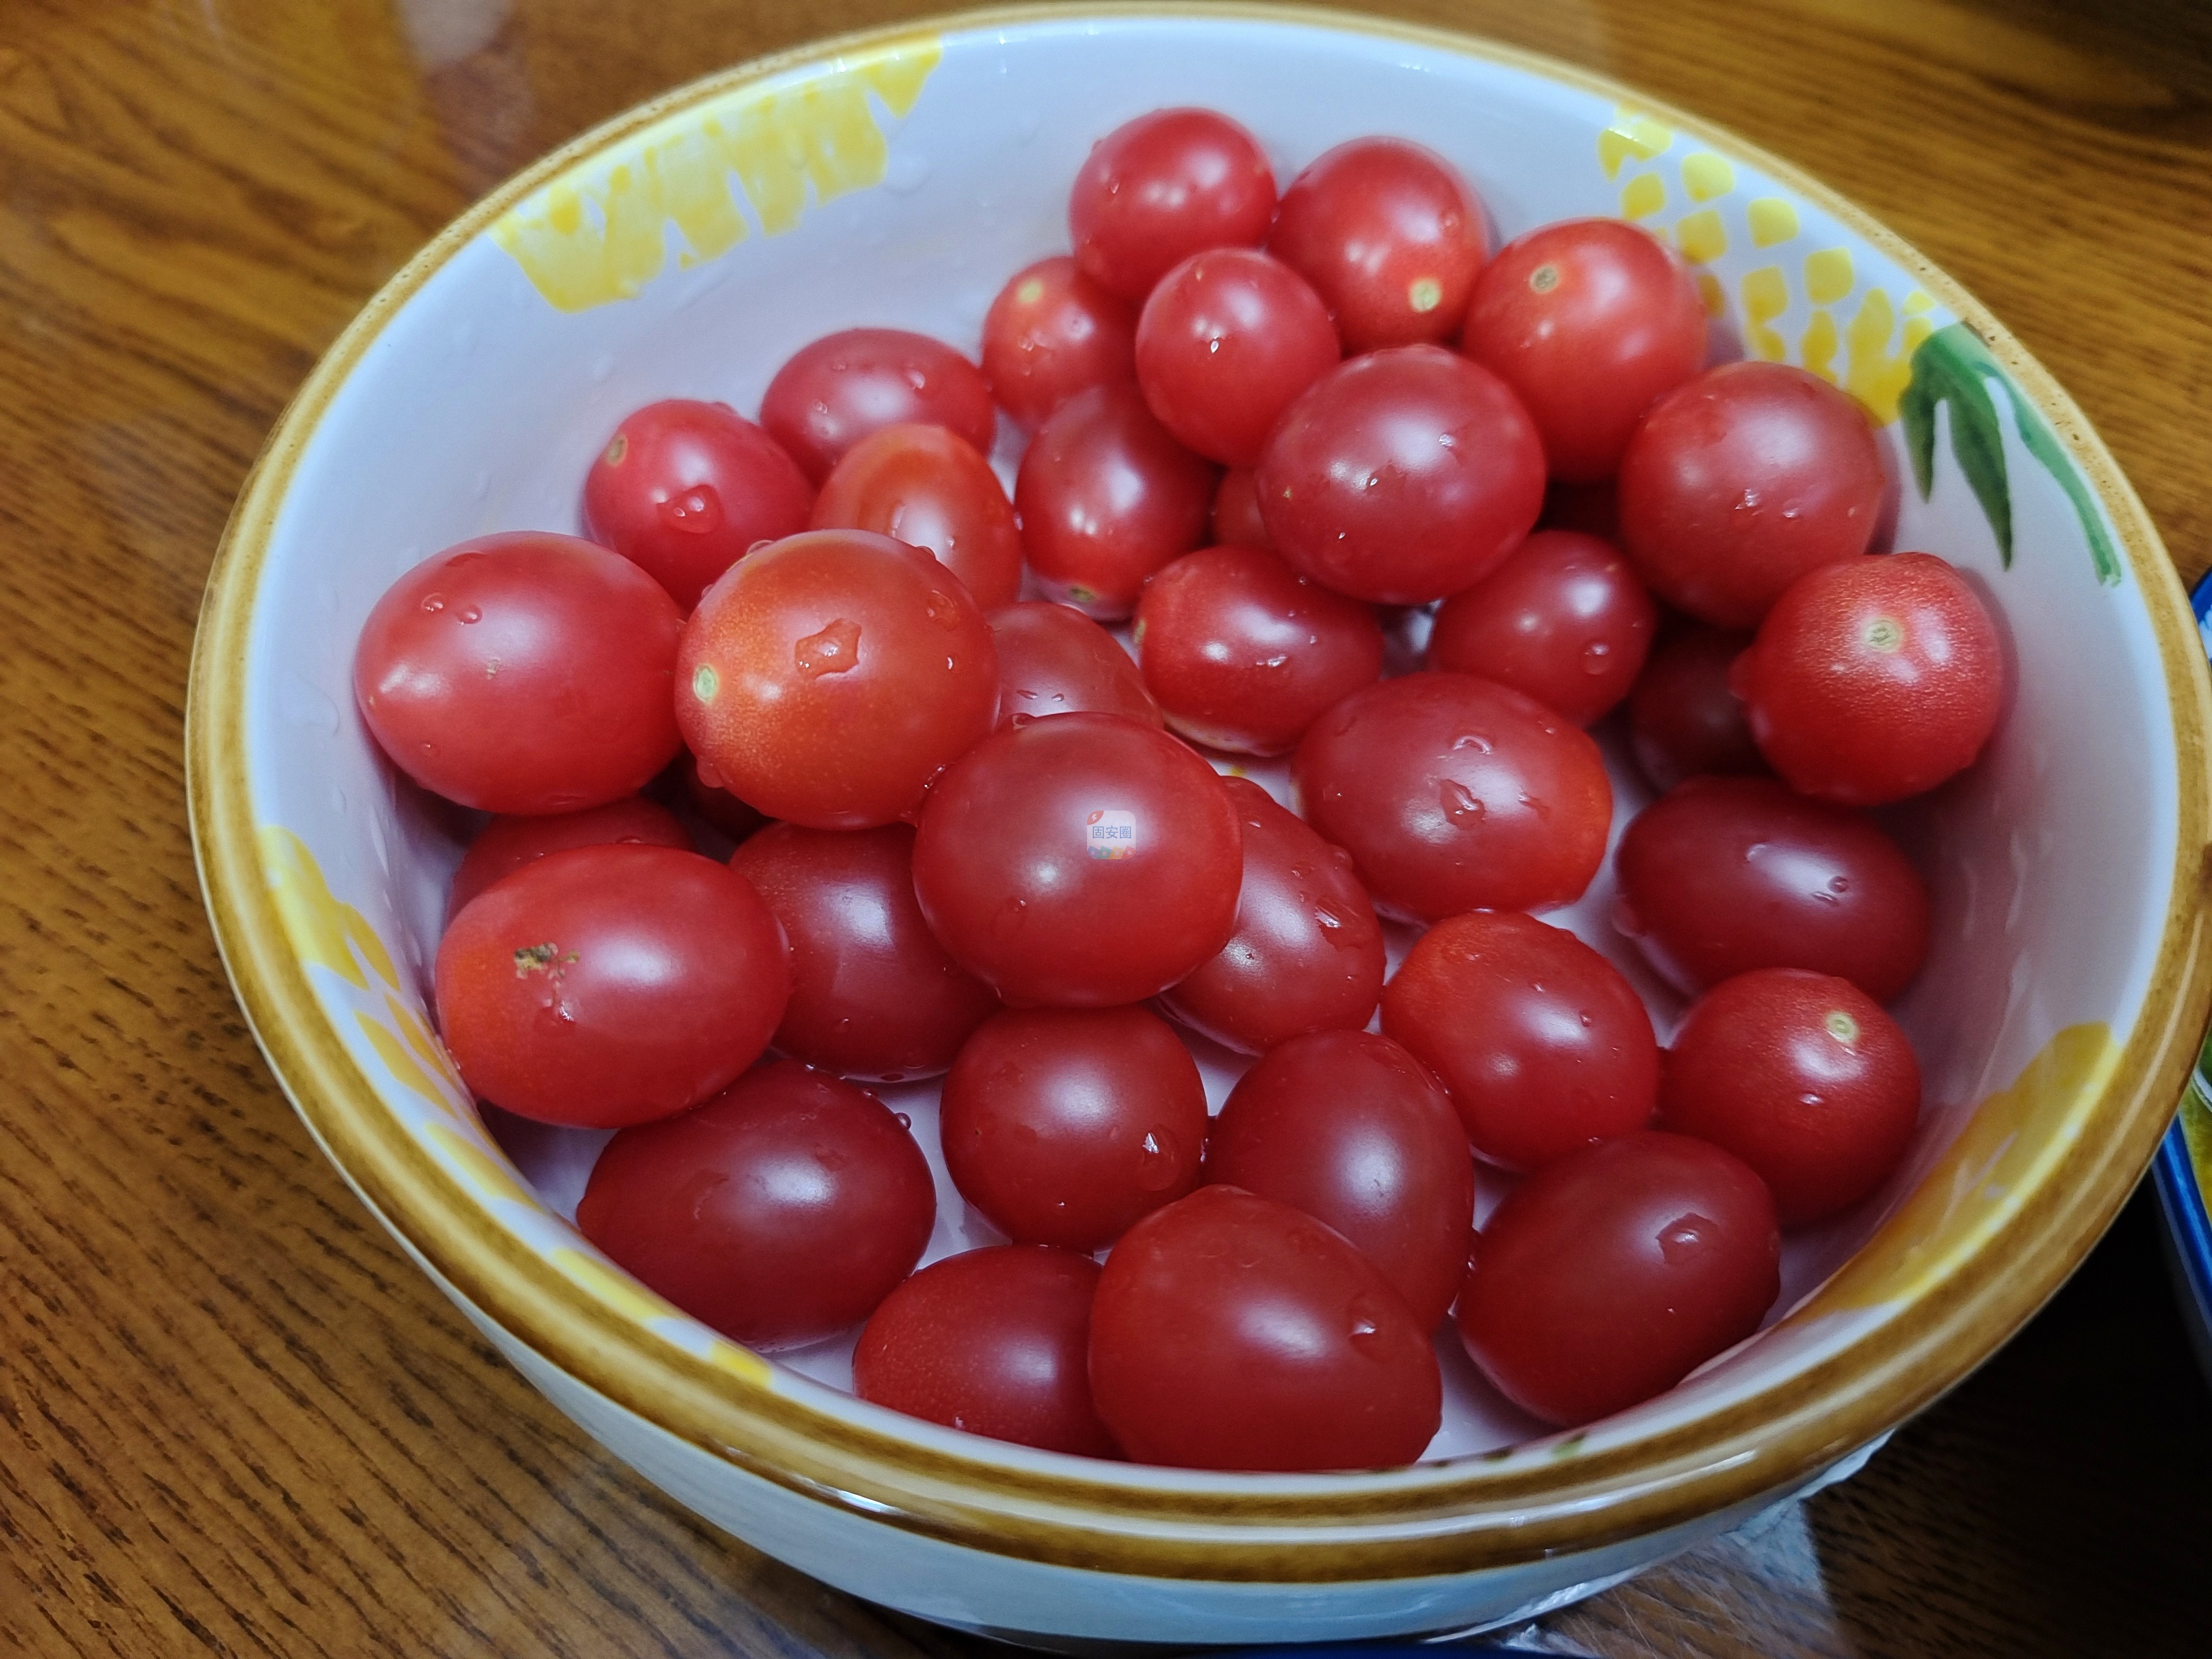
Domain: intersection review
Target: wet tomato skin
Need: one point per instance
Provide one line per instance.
(1162, 187)
(1683, 721)
(835, 391)
(928, 487)
(506, 844)
(1053, 332)
(1053, 659)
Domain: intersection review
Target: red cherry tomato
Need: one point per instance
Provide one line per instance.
(1053, 659)
(827, 678)
(1106, 497)
(684, 489)
(1080, 861)
(1873, 680)
(1401, 476)
(504, 845)
(1544, 1046)
(1725, 875)
(1588, 320)
(1455, 794)
(1227, 339)
(1064, 1125)
(526, 673)
(781, 1211)
(1051, 333)
(1160, 188)
(1683, 721)
(1307, 954)
(1347, 1127)
(993, 1341)
(611, 985)
(872, 994)
(1236, 511)
(1564, 619)
(843, 386)
(1804, 1077)
(1739, 482)
(1244, 655)
(928, 487)
(1231, 1332)
(1609, 1276)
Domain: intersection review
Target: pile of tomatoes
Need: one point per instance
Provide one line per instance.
(977, 836)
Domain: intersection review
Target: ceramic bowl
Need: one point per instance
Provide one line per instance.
(896, 178)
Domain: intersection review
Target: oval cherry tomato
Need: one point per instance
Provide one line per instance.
(781, 1211)
(1160, 188)
(843, 386)
(1236, 511)
(504, 845)
(522, 673)
(1401, 476)
(1227, 339)
(1051, 333)
(926, 487)
(1053, 659)
(1683, 721)
(611, 985)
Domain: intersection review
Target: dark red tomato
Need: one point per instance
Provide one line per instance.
(1236, 511)
(835, 392)
(1051, 333)
(1588, 320)
(1725, 875)
(1080, 861)
(1106, 497)
(1544, 1046)
(685, 489)
(1873, 680)
(612, 985)
(1804, 1077)
(1064, 1125)
(504, 845)
(872, 994)
(1231, 1332)
(525, 672)
(715, 804)
(1390, 236)
(1739, 482)
(1347, 1127)
(1564, 619)
(1591, 508)
(1683, 721)
(1307, 954)
(1456, 793)
(1401, 476)
(930, 489)
(1053, 659)
(1160, 188)
(1242, 653)
(1608, 1277)
(1227, 339)
(994, 1341)
(827, 678)
(781, 1211)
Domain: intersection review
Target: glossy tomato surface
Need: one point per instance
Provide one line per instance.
(1683, 721)
(931, 488)
(1053, 332)
(1160, 188)
(1053, 659)
(1227, 339)
(835, 392)
(504, 845)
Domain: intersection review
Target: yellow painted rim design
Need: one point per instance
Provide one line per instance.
(1438, 1518)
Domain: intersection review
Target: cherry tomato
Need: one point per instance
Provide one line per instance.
(926, 487)
(504, 845)
(1725, 875)
(1160, 188)
(1227, 339)
(843, 386)
(1564, 619)
(1804, 1077)
(610, 984)
(1106, 497)
(1244, 655)
(1064, 1125)
(994, 1341)
(1051, 333)
(1401, 476)
(1307, 954)
(781, 1211)
(1609, 1276)
(1873, 680)
(1683, 721)
(1236, 511)
(685, 489)
(1053, 659)
(526, 672)
(721, 809)
(1231, 1332)
(1588, 321)
(1347, 1127)
(1456, 793)
(1741, 481)
(1544, 1046)
(872, 994)
(1080, 861)
(827, 678)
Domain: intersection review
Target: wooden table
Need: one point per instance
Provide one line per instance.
(234, 1419)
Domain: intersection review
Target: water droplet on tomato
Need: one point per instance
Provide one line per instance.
(433, 603)
(1596, 657)
(468, 613)
(1157, 1166)
(944, 608)
(1473, 740)
(1684, 1235)
(697, 511)
(904, 1121)
(835, 650)
(1460, 803)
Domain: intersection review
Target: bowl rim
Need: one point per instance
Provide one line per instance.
(1433, 1519)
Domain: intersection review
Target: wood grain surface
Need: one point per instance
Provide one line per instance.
(233, 1419)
